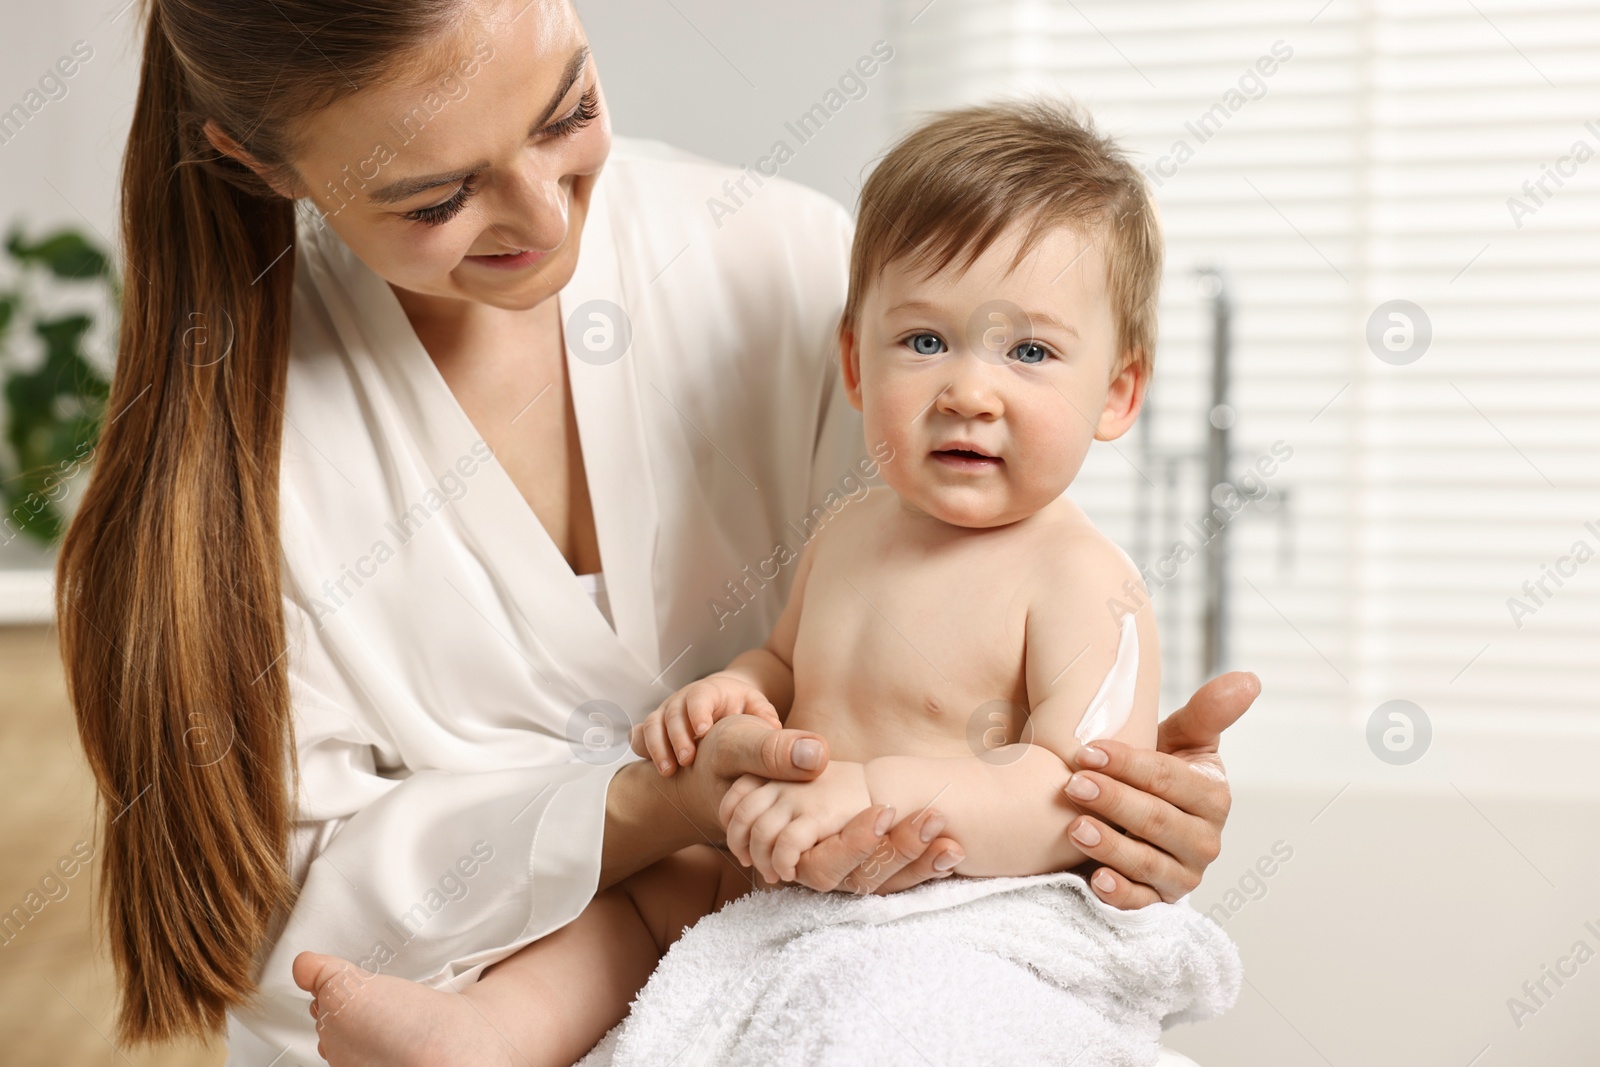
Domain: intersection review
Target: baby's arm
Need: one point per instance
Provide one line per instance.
(757, 682)
(1006, 806)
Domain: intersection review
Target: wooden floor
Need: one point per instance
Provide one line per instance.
(57, 993)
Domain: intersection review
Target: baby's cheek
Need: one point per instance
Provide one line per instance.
(902, 448)
(1054, 455)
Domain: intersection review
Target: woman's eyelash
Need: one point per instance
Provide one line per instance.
(587, 111)
(439, 214)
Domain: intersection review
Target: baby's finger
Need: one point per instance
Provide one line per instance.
(741, 788)
(741, 826)
(678, 734)
(655, 739)
(798, 836)
(702, 701)
(700, 719)
(753, 808)
(763, 834)
(758, 705)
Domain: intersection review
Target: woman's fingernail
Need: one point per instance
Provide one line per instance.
(948, 860)
(1082, 788)
(683, 757)
(885, 821)
(1086, 834)
(666, 766)
(1103, 881)
(1092, 757)
(807, 754)
(701, 728)
(931, 827)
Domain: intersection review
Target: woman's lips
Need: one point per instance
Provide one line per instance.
(510, 262)
(963, 460)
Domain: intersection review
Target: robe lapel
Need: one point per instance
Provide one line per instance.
(602, 361)
(571, 635)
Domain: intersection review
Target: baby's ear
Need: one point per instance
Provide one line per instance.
(1123, 399)
(850, 365)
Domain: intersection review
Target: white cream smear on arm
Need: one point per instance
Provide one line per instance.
(1109, 710)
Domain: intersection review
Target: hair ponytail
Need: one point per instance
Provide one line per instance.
(167, 585)
(168, 593)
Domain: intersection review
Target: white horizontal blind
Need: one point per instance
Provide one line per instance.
(1330, 158)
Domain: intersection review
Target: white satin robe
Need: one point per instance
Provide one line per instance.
(446, 818)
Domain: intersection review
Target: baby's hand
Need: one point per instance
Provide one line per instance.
(669, 735)
(770, 824)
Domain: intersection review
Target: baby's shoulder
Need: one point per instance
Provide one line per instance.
(1076, 560)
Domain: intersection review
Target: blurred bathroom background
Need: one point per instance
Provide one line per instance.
(1367, 471)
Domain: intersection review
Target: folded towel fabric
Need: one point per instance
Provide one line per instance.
(1033, 970)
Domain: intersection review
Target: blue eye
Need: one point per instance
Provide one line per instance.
(926, 344)
(1030, 352)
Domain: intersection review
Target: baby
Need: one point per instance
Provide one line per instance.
(1002, 302)
(956, 634)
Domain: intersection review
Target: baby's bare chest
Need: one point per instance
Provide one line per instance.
(903, 652)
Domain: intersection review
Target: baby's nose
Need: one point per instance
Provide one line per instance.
(971, 392)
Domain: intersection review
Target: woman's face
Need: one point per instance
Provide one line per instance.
(429, 181)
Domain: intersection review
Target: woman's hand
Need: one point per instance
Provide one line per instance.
(649, 817)
(1170, 804)
(876, 854)
(732, 748)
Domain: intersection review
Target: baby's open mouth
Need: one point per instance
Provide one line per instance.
(965, 457)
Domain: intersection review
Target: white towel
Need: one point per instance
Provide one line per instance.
(1033, 970)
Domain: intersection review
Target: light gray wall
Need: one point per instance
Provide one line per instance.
(717, 77)
(60, 167)
(722, 79)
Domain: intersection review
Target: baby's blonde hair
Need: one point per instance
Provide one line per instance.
(952, 186)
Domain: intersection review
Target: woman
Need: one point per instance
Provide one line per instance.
(323, 607)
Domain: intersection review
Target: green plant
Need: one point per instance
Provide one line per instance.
(53, 411)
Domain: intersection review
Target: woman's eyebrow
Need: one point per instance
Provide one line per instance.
(404, 188)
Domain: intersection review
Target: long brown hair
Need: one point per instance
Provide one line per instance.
(168, 593)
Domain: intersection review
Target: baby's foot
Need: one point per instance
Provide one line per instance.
(378, 1020)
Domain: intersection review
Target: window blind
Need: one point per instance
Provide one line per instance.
(1329, 160)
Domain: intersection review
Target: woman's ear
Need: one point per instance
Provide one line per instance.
(229, 147)
(1123, 400)
(850, 365)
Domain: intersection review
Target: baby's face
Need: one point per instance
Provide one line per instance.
(990, 385)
